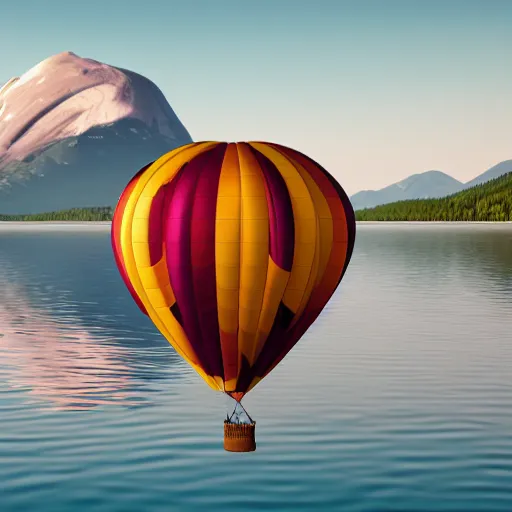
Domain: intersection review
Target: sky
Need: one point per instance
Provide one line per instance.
(374, 90)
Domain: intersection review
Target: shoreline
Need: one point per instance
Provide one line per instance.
(102, 225)
(48, 225)
(433, 222)
(78, 222)
(358, 222)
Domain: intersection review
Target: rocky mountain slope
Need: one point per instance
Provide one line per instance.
(73, 131)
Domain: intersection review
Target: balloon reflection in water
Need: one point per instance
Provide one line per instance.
(233, 250)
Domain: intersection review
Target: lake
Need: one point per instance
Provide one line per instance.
(399, 398)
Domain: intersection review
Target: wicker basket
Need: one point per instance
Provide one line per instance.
(239, 437)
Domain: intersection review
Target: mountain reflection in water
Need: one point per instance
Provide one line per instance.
(54, 341)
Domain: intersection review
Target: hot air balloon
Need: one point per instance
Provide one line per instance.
(233, 250)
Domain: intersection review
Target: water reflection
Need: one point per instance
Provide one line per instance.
(69, 332)
(398, 397)
(62, 364)
(468, 253)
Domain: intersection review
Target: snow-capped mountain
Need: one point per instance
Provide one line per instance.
(73, 131)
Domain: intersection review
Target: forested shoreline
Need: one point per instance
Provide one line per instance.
(100, 213)
(488, 202)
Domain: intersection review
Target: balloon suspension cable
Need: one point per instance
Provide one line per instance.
(243, 409)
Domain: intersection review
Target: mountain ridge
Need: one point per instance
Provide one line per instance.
(485, 202)
(443, 185)
(73, 131)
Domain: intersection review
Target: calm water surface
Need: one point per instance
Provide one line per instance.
(399, 398)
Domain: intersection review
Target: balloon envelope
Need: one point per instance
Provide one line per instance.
(233, 250)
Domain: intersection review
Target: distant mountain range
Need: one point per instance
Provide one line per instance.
(430, 184)
(73, 131)
(490, 201)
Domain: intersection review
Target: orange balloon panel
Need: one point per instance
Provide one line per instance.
(233, 250)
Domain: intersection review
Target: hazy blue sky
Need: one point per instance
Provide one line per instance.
(373, 90)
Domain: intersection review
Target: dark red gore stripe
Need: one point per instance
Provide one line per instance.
(281, 223)
(190, 250)
(158, 210)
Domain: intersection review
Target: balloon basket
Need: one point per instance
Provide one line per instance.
(239, 437)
